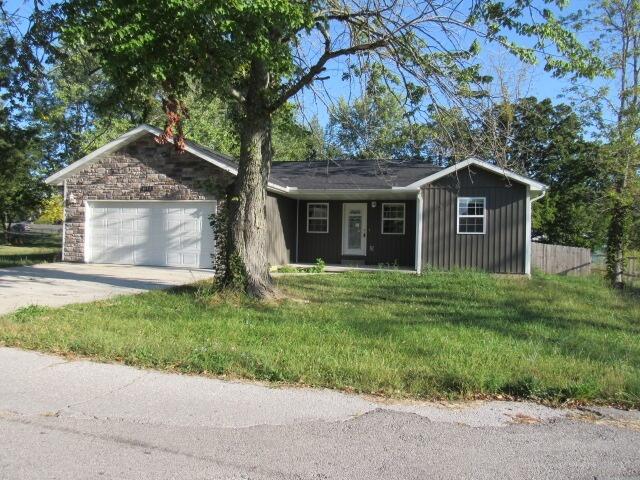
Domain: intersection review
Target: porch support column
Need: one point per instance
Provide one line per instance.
(418, 260)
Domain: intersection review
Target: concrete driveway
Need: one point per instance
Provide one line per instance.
(56, 284)
(75, 419)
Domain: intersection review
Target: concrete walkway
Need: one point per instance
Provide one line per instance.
(79, 419)
(56, 284)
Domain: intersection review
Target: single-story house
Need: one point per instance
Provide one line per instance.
(134, 201)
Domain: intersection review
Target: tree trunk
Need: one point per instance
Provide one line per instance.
(615, 245)
(248, 224)
(6, 225)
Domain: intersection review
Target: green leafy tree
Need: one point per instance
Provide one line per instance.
(261, 53)
(21, 188)
(377, 125)
(547, 142)
(616, 111)
(52, 210)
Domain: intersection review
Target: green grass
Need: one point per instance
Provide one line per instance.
(11, 256)
(440, 335)
(35, 249)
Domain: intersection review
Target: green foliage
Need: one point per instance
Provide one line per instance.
(21, 187)
(319, 266)
(209, 41)
(615, 110)
(230, 273)
(52, 211)
(376, 125)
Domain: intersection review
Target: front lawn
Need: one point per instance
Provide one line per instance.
(11, 256)
(440, 335)
(34, 248)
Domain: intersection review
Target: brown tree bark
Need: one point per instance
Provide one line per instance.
(248, 224)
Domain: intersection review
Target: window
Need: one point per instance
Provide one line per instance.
(393, 218)
(471, 215)
(317, 218)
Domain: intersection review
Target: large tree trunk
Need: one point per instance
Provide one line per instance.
(248, 224)
(618, 233)
(615, 245)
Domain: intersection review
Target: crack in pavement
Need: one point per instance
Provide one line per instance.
(102, 395)
(147, 447)
(55, 364)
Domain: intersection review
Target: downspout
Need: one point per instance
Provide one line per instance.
(297, 225)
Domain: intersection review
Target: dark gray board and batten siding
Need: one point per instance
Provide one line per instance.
(281, 229)
(500, 249)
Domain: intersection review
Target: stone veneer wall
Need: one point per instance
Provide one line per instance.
(121, 175)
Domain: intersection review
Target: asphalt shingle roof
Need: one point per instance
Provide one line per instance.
(351, 174)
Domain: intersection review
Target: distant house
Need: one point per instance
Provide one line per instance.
(134, 201)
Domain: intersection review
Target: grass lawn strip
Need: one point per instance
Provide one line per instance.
(451, 335)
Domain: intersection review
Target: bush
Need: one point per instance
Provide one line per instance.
(52, 210)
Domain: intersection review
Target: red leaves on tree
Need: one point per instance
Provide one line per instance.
(176, 113)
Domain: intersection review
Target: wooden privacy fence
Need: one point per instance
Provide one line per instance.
(560, 259)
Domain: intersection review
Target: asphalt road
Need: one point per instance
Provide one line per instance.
(64, 419)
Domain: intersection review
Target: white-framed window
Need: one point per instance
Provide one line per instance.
(393, 218)
(471, 215)
(317, 218)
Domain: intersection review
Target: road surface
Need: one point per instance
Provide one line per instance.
(62, 419)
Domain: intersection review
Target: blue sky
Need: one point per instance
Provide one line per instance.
(538, 83)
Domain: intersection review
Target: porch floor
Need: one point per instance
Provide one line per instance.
(337, 268)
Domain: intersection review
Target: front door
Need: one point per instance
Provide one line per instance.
(354, 229)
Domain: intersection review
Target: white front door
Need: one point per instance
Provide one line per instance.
(354, 229)
(172, 233)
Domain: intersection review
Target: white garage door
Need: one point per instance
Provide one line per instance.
(176, 234)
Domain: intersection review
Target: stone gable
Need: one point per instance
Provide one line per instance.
(142, 170)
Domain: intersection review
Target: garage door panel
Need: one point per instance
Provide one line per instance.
(151, 234)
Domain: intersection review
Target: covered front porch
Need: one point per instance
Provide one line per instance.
(362, 233)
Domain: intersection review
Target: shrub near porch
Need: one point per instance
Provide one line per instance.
(440, 335)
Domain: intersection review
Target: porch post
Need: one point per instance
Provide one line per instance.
(418, 260)
(527, 233)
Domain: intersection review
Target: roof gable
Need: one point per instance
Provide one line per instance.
(532, 184)
(219, 160)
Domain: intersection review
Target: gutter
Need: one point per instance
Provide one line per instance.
(544, 192)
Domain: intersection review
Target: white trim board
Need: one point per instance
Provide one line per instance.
(534, 185)
(527, 246)
(419, 215)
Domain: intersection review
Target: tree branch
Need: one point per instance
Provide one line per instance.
(319, 67)
(236, 95)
